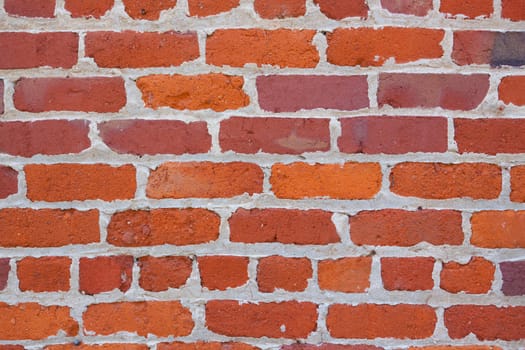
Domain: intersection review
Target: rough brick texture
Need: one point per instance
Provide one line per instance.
(105, 273)
(348, 275)
(407, 273)
(47, 274)
(474, 277)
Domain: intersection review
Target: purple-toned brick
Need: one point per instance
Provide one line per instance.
(8, 181)
(513, 277)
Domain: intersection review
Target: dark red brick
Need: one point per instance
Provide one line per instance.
(408, 274)
(88, 8)
(513, 277)
(490, 136)
(30, 8)
(393, 135)
(8, 181)
(291, 93)
(4, 272)
(1, 96)
(105, 273)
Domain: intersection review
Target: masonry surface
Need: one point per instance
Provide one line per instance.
(262, 174)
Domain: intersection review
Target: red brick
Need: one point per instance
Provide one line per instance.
(204, 8)
(274, 135)
(75, 346)
(393, 135)
(444, 181)
(205, 346)
(286, 226)
(290, 319)
(281, 47)
(223, 272)
(510, 89)
(453, 347)
(33, 321)
(299, 346)
(204, 180)
(68, 182)
(278, 272)
(468, 8)
(395, 227)
(371, 321)
(102, 94)
(8, 179)
(4, 272)
(408, 7)
(143, 137)
(513, 10)
(160, 318)
(348, 275)
(48, 137)
(147, 9)
(517, 184)
(373, 47)
(136, 228)
(47, 227)
(278, 9)
(11, 347)
(46, 274)
(88, 8)
(498, 229)
(105, 274)
(30, 50)
(408, 274)
(1, 96)
(291, 93)
(30, 8)
(193, 92)
(336, 9)
(485, 322)
(490, 136)
(129, 49)
(448, 91)
(336, 181)
(158, 274)
(474, 277)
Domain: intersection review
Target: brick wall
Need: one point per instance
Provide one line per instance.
(262, 174)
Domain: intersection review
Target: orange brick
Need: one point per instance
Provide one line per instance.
(511, 88)
(206, 91)
(513, 10)
(204, 8)
(348, 275)
(204, 180)
(278, 9)
(517, 184)
(468, 8)
(147, 9)
(105, 273)
(158, 274)
(347, 181)
(444, 181)
(474, 277)
(372, 47)
(46, 274)
(281, 47)
(223, 272)
(69, 182)
(498, 229)
(278, 272)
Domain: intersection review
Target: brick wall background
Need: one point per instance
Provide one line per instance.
(262, 174)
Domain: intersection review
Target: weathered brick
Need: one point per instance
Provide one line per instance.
(346, 181)
(513, 10)
(105, 273)
(30, 50)
(47, 227)
(517, 184)
(512, 275)
(8, 179)
(373, 47)
(336, 9)
(135, 228)
(101, 94)
(393, 135)
(158, 274)
(474, 277)
(281, 47)
(4, 272)
(290, 319)
(485, 322)
(75, 346)
(348, 275)
(444, 181)
(205, 346)
(45, 274)
(395, 227)
(299, 346)
(160, 318)
(467, 8)
(204, 180)
(129, 49)
(408, 7)
(448, 91)
(408, 274)
(498, 229)
(291, 93)
(205, 8)
(68, 182)
(143, 137)
(223, 272)
(278, 272)
(147, 9)
(218, 92)
(88, 8)
(30, 8)
(510, 90)
(278, 9)
(33, 321)
(274, 135)
(286, 226)
(371, 321)
(490, 136)
(50, 137)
